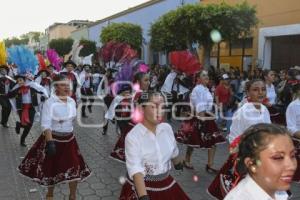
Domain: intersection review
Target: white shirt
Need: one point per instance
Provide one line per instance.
(201, 99)
(271, 94)
(167, 86)
(149, 153)
(248, 189)
(246, 116)
(293, 116)
(57, 115)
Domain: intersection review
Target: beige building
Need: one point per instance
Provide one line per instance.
(276, 41)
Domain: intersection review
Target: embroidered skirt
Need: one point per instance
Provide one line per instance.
(118, 153)
(66, 165)
(195, 133)
(225, 180)
(297, 146)
(161, 188)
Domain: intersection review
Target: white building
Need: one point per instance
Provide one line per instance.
(143, 15)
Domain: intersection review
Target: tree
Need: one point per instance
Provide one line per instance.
(62, 46)
(89, 47)
(123, 32)
(193, 24)
(15, 41)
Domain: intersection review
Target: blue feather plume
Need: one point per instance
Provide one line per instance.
(24, 58)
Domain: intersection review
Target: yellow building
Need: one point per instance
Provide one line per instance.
(275, 43)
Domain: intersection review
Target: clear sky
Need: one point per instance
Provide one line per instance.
(21, 16)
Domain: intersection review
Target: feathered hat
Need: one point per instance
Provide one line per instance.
(184, 61)
(3, 57)
(24, 59)
(43, 66)
(54, 59)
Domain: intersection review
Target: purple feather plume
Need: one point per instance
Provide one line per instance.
(54, 59)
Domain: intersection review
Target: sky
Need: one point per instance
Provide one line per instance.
(22, 16)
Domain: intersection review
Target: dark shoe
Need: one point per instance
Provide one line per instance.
(23, 144)
(90, 109)
(5, 125)
(18, 127)
(84, 116)
(211, 170)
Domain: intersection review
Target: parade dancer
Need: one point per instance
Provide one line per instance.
(266, 159)
(23, 95)
(68, 71)
(250, 113)
(87, 94)
(55, 157)
(5, 85)
(293, 125)
(271, 100)
(201, 131)
(151, 149)
(126, 109)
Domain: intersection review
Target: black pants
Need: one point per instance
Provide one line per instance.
(86, 95)
(6, 109)
(27, 127)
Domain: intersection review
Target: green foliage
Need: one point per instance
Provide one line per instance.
(62, 46)
(16, 41)
(189, 24)
(89, 47)
(123, 32)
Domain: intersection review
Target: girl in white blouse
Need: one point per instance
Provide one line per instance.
(250, 113)
(201, 131)
(150, 149)
(293, 124)
(55, 157)
(266, 156)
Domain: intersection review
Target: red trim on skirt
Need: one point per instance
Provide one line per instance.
(199, 134)
(297, 146)
(167, 189)
(65, 166)
(225, 180)
(118, 153)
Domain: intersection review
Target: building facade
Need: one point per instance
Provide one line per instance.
(81, 33)
(276, 41)
(143, 15)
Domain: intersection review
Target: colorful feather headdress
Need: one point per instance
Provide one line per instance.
(184, 61)
(24, 58)
(54, 59)
(3, 55)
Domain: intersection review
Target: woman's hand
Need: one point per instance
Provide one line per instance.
(178, 162)
(139, 184)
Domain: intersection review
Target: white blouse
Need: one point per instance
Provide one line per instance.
(149, 153)
(248, 189)
(201, 99)
(246, 116)
(293, 116)
(271, 94)
(167, 86)
(57, 115)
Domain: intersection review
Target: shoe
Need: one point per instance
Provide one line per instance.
(84, 116)
(5, 125)
(90, 109)
(211, 170)
(18, 127)
(104, 132)
(23, 144)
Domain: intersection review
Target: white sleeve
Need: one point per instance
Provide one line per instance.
(291, 119)
(236, 127)
(173, 141)
(198, 99)
(46, 121)
(133, 156)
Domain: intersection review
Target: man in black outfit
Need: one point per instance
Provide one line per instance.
(5, 85)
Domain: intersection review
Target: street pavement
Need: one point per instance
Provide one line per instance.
(105, 181)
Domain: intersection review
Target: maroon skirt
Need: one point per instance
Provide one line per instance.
(276, 116)
(225, 180)
(164, 189)
(195, 133)
(297, 146)
(66, 165)
(118, 153)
